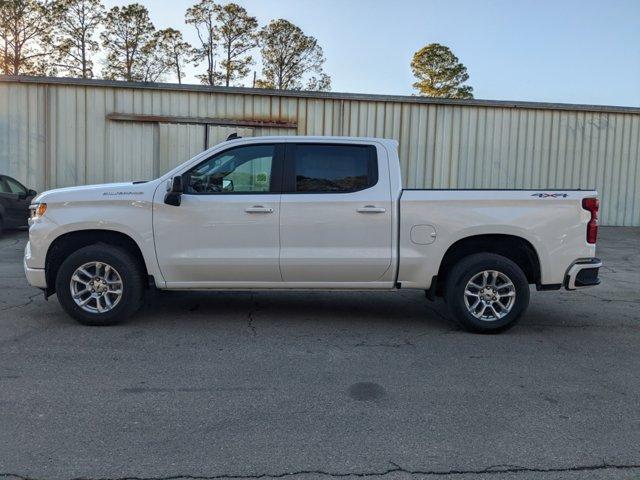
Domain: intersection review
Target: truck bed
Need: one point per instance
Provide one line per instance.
(552, 221)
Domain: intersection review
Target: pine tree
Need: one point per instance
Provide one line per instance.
(74, 36)
(238, 35)
(289, 56)
(203, 17)
(128, 40)
(440, 73)
(176, 52)
(24, 25)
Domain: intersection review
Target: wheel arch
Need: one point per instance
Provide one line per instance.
(517, 249)
(70, 242)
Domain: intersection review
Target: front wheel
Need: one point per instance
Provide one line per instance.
(100, 285)
(486, 293)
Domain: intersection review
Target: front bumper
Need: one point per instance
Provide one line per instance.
(583, 273)
(35, 276)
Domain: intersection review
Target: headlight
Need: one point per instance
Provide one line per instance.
(37, 210)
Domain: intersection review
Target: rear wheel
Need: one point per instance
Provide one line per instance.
(100, 285)
(486, 293)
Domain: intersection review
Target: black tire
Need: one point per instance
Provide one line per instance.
(469, 267)
(132, 283)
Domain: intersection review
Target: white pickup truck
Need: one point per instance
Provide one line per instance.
(308, 213)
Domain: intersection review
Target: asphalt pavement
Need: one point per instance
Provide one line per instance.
(302, 385)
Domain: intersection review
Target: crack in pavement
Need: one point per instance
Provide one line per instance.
(582, 326)
(254, 308)
(608, 300)
(405, 343)
(395, 468)
(21, 305)
(619, 280)
(14, 243)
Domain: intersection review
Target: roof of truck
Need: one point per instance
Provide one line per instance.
(324, 139)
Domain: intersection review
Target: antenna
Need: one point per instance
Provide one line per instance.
(233, 136)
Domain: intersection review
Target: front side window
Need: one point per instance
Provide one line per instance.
(246, 169)
(334, 168)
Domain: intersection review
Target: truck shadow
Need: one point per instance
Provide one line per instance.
(408, 308)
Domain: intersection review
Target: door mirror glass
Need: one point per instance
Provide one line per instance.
(31, 193)
(176, 184)
(174, 194)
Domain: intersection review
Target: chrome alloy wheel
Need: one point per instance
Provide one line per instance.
(96, 287)
(489, 295)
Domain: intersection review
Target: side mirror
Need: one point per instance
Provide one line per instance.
(174, 194)
(31, 193)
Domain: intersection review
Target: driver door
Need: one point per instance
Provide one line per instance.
(226, 230)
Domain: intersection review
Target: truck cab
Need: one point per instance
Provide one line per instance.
(264, 214)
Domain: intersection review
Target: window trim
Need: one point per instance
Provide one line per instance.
(289, 174)
(275, 188)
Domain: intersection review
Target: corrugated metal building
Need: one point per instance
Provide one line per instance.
(57, 132)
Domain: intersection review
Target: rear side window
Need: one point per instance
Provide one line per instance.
(14, 186)
(323, 168)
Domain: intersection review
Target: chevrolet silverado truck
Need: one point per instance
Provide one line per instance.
(308, 213)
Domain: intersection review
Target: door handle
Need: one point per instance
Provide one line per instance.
(258, 209)
(371, 209)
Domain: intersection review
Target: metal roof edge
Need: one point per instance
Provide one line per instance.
(318, 95)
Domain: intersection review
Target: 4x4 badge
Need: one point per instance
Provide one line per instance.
(550, 195)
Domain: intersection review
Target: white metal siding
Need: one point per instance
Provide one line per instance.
(54, 134)
(178, 143)
(219, 134)
(131, 151)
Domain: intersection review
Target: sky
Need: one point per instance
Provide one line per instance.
(569, 51)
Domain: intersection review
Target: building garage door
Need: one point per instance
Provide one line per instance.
(143, 150)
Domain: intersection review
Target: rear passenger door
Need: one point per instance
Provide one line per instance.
(335, 217)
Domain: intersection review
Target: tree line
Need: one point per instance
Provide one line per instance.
(64, 38)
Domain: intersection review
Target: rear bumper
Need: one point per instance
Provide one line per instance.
(583, 273)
